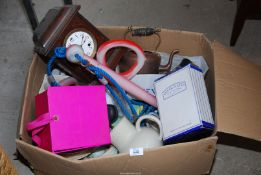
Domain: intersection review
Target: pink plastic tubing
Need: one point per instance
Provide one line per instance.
(105, 47)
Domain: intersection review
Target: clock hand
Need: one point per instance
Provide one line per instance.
(83, 40)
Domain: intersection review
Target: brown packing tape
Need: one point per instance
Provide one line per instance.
(189, 157)
(238, 95)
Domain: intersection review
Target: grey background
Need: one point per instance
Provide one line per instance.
(212, 17)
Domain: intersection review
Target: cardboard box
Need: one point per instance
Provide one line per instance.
(233, 86)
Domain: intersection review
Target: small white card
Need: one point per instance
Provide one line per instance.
(146, 81)
(45, 83)
(136, 151)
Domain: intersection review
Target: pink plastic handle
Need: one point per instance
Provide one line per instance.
(105, 47)
(40, 121)
(35, 136)
(37, 125)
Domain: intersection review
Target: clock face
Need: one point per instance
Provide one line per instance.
(84, 39)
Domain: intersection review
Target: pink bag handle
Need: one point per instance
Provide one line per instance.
(37, 125)
(40, 121)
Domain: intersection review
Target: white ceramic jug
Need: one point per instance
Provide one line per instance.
(125, 136)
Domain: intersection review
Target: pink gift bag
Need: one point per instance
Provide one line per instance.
(70, 118)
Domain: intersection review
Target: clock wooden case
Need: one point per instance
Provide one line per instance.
(61, 24)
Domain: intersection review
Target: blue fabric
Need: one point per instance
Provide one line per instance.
(101, 73)
(59, 52)
(123, 109)
(146, 107)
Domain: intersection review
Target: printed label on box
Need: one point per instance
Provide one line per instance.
(174, 89)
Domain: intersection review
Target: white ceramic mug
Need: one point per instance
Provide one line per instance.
(125, 136)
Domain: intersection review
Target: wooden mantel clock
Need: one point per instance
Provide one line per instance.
(64, 26)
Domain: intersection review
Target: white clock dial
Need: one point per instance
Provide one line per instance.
(83, 39)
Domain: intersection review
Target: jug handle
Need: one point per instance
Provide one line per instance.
(151, 118)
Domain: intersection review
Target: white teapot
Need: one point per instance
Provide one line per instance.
(126, 136)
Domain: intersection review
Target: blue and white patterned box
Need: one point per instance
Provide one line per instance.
(183, 105)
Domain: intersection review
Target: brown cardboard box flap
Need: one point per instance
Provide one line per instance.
(238, 94)
(185, 158)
